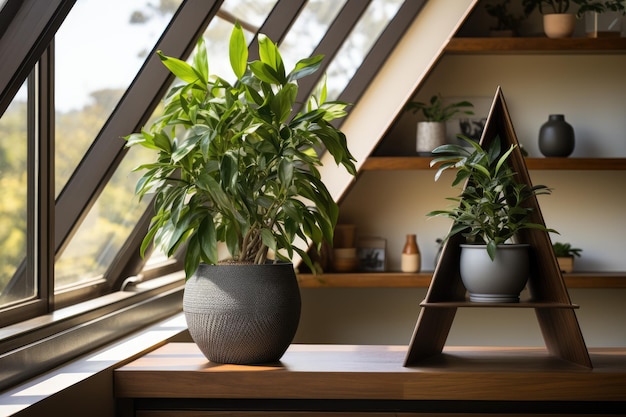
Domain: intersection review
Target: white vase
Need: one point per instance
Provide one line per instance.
(559, 25)
(603, 25)
(430, 135)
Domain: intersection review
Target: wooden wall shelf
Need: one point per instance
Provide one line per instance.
(397, 163)
(536, 45)
(422, 280)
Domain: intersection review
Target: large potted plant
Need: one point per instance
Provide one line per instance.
(431, 132)
(490, 211)
(234, 169)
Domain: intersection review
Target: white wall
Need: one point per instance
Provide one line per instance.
(587, 207)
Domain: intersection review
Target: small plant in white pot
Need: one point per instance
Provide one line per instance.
(233, 168)
(431, 132)
(490, 211)
(565, 254)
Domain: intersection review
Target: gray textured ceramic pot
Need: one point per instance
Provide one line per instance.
(242, 313)
(497, 281)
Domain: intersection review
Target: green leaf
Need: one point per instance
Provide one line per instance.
(283, 101)
(180, 68)
(265, 73)
(192, 257)
(268, 239)
(229, 170)
(207, 238)
(270, 56)
(201, 62)
(285, 172)
(238, 52)
(305, 67)
(503, 158)
(491, 249)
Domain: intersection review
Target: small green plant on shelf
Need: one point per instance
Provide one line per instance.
(436, 111)
(562, 250)
(565, 254)
(504, 18)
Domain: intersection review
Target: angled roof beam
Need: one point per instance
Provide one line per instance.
(331, 43)
(381, 50)
(403, 72)
(29, 31)
(277, 24)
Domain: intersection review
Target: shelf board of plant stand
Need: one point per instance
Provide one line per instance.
(518, 45)
(521, 304)
(398, 163)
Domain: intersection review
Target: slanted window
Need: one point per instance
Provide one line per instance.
(14, 213)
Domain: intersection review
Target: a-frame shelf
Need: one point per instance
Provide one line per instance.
(546, 287)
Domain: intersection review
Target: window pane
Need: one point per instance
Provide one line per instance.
(96, 59)
(250, 12)
(216, 37)
(358, 44)
(107, 226)
(308, 30)
(13, 199)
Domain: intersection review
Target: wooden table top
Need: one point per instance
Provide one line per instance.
(179, 370)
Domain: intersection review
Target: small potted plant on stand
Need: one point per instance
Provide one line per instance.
(565, 253)
(490, 212)
(431, 132)
(233, 168)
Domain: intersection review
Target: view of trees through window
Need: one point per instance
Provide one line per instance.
(13, 194)
(89, 87)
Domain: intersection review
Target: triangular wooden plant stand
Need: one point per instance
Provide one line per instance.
(548, 294)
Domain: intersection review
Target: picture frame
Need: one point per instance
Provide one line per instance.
(371, 252)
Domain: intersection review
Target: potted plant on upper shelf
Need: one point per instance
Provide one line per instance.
(234, 169)
(558, 23)
(565, 253)
(506, 22)
(491, 210)
(431, 132)
(602, 18)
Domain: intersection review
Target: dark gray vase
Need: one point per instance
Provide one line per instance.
(556, 137)
(242, 313)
